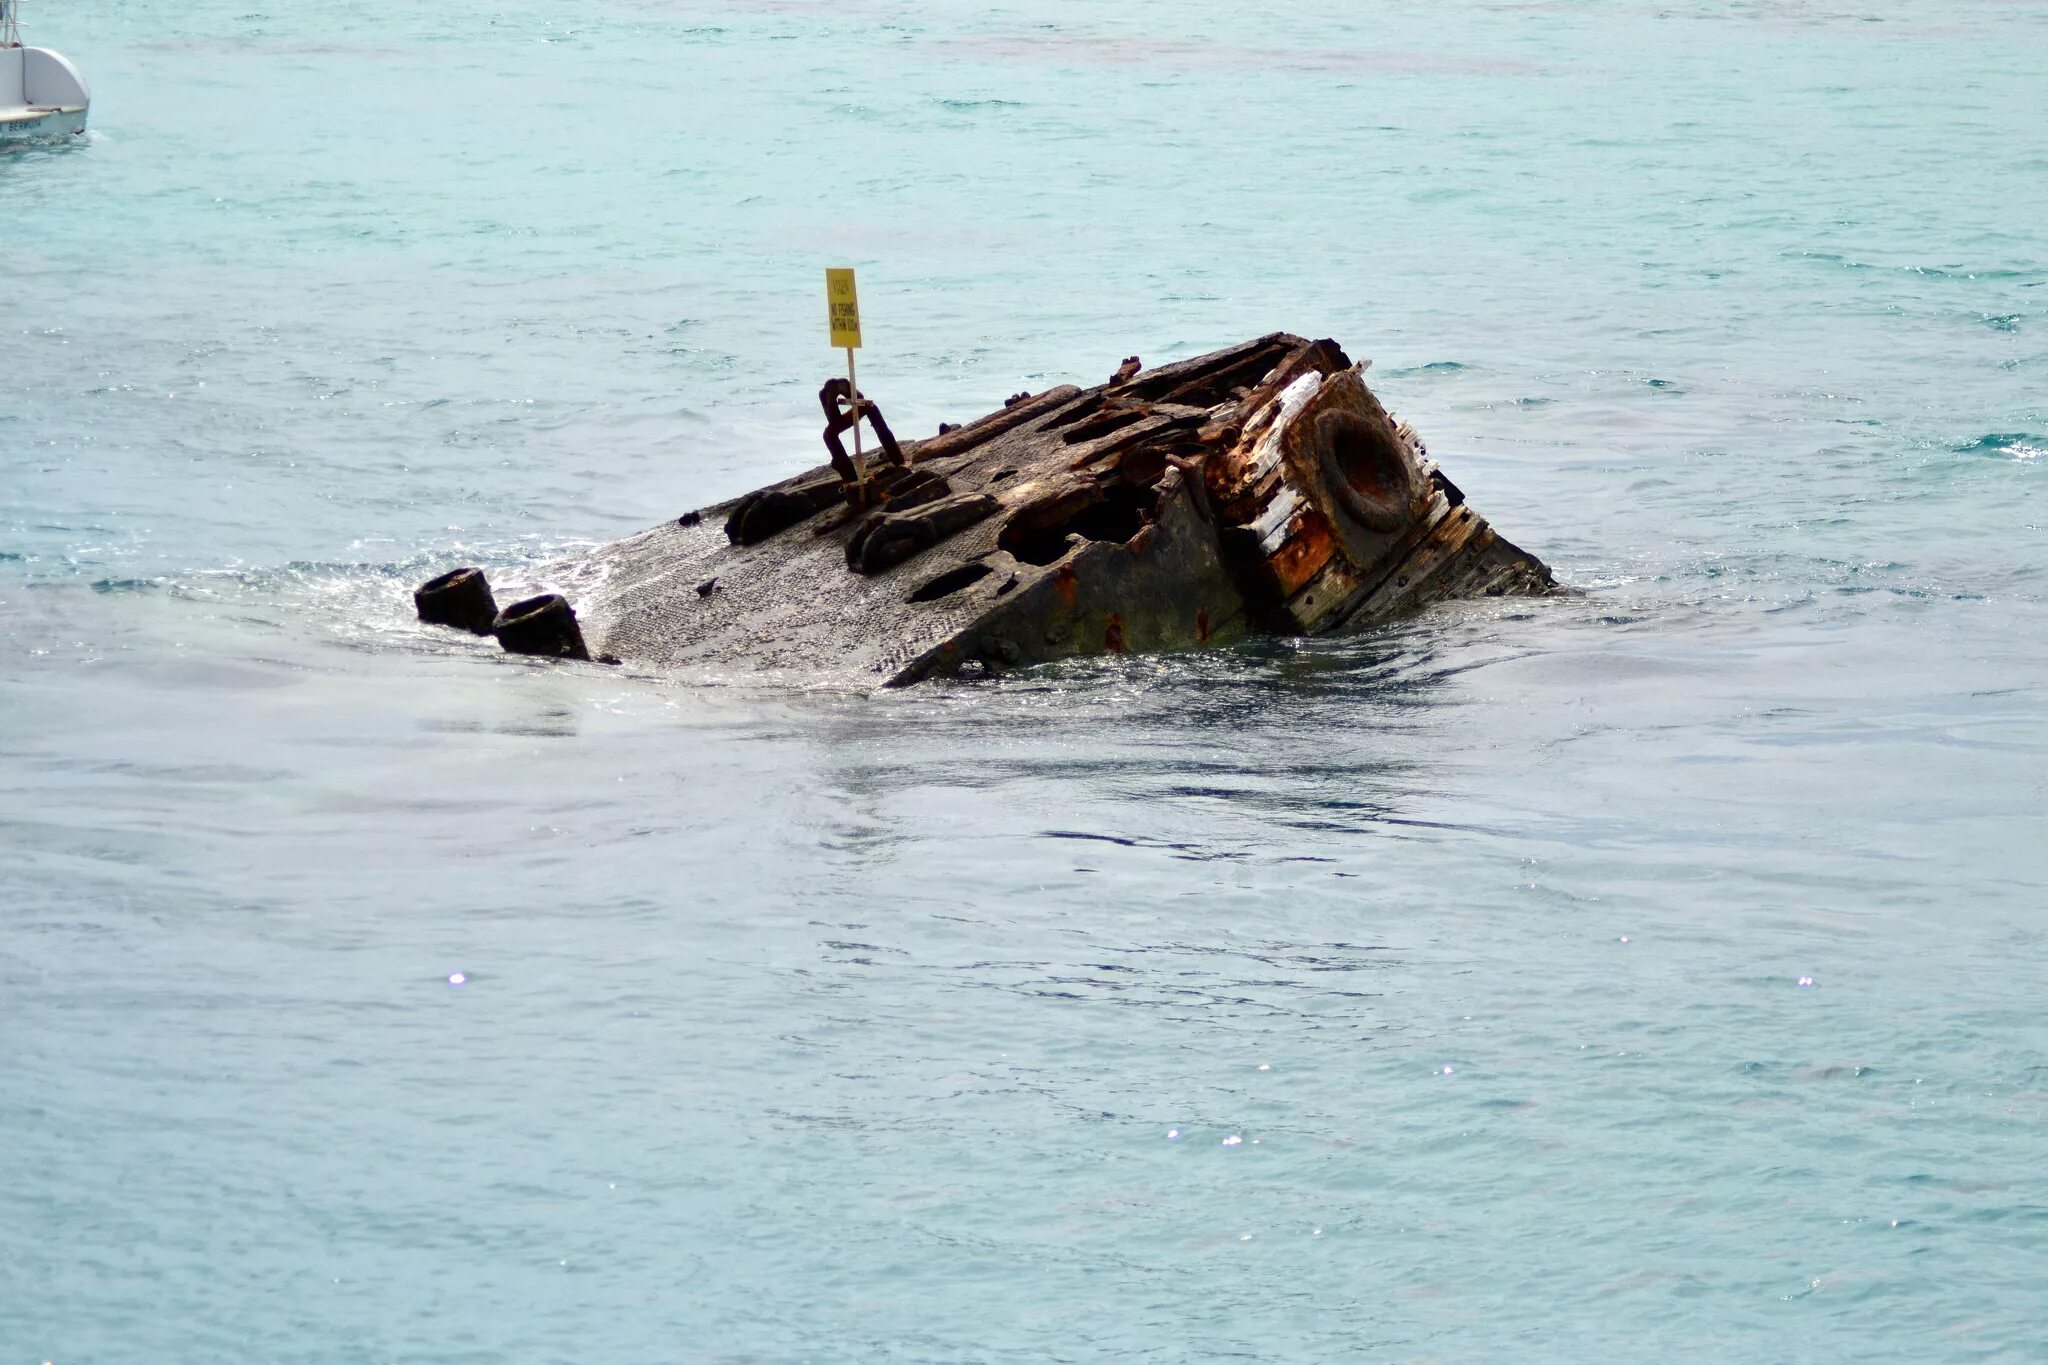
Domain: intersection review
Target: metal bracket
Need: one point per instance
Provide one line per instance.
(836, 398)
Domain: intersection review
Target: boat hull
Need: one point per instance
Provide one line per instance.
(42, 96)
(1258, 489)
(41, 125)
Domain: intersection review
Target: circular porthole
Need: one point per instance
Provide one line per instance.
(1367, 469)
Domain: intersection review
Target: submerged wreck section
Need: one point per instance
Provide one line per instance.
(1261, 488)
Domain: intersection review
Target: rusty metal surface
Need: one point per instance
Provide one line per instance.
(1261, 487)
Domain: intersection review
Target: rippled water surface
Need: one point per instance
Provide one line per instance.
(1650, 974)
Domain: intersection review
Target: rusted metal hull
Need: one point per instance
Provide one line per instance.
(1261, 488)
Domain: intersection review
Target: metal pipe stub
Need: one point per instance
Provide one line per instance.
(1368, 469)
(461, 599)
(544, 625)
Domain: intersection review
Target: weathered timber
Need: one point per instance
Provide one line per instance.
(1259, 488)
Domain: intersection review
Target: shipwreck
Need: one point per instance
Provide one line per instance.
(1260, 488)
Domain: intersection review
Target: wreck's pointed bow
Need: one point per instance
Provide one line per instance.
(1336, 513)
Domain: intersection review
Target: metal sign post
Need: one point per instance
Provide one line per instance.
(843, 310)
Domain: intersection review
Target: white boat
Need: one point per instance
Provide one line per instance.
(42, 96)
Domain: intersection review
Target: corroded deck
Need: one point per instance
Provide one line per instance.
(1258, 488)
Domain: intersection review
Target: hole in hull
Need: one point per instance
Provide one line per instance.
(1102, 425)
(1085, 408)
(1041, 547)
(1039, 534)
(1118, 516)
(950, 582)
(1206, 388)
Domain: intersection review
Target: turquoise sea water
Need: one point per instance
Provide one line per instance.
(1432, 995)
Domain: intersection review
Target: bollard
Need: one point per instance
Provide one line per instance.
(461, 599)
(544, 625)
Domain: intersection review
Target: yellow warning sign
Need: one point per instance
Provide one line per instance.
(844, 305)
